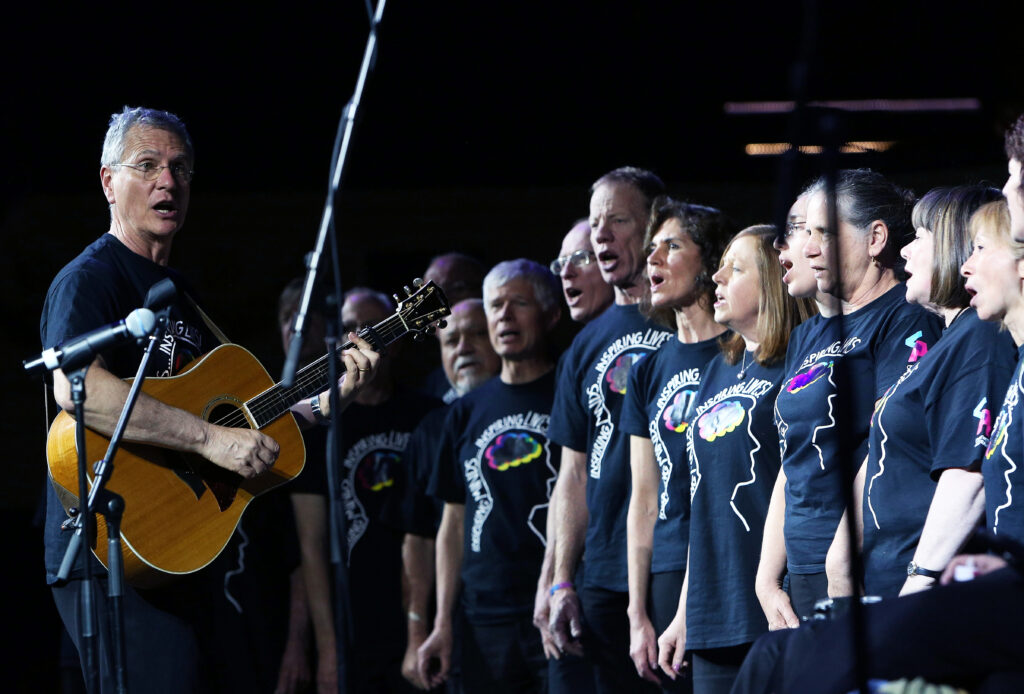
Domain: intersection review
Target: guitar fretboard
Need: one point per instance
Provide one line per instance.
(313, 378)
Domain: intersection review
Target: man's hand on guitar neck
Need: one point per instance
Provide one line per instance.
(361, 363)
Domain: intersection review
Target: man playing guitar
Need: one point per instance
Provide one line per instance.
(146, 173)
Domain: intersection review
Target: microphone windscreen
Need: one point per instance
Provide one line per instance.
(161, 294)
(140, 322)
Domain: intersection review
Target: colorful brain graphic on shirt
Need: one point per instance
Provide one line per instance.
(618, 373)
(375, 470)
(511, 450)
(720, 420)
(997, 438)
(813, 374)
(674, 416)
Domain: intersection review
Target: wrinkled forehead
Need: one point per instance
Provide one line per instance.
(514, 287)
(616, 197)
(578, 239)
(466, 317)
(144, 139)
(799, 208)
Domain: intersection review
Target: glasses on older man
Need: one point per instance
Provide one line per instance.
(577, 259)
(151, 171)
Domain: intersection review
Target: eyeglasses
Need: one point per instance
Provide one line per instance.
(151, 171)
(795, 226)
(578, 259)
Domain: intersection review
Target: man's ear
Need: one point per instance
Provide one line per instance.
(106, 180)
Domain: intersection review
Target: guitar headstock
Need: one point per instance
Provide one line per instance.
(422, 308)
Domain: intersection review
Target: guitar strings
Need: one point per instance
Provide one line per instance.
(276, 399)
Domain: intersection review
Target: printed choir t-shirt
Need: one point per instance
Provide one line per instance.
(659, 398)
(733, 455)
(412, 509)
(588, 400)
(495, 457)
(1001, 467)
(938, 415)
(871, 349)
(374, 439)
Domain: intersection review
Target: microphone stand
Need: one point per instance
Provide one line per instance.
(340, 550)
(829, 126)
(338, 161)
(826, 124)
(88, 634)
(327, 229)
(111, 505)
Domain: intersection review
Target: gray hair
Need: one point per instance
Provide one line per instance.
(122, 123)
(546, 288)
(864, 196)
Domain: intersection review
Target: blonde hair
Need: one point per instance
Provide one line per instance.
(995, 217)
(777, 312)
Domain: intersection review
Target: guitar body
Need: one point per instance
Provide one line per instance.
(180, 509)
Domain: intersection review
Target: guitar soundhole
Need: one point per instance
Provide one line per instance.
(227, 416)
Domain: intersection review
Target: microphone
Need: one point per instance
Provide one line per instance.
(80, 351)
(161, 295)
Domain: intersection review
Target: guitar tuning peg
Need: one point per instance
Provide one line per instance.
(430, 330)
(397, 300)
(442, 324)
(408, 292)
(418, 282)
(417, 337)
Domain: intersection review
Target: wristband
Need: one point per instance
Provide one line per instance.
(314, 405)
(558, 586)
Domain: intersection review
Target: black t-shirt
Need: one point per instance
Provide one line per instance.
(374, 439)
(938, 415)
(1001, 466)
(592, 382)
(733, 455)
(436, 384)
(412, 509)
(658, 403)
(103, 285)
(874, 344)
(495, 457)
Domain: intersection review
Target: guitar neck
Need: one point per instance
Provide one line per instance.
(314, 378)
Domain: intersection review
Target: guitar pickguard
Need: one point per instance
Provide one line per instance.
(191, 479)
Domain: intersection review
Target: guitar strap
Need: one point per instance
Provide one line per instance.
(209, 323)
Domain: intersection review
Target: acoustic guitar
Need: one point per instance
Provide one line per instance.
(180, 509)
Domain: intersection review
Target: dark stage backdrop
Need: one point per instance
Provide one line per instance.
(481, 130)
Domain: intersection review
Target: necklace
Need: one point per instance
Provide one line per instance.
(743, 367)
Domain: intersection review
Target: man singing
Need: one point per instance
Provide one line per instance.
(146, 175)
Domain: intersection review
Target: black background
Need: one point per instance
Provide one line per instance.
(482, 127)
